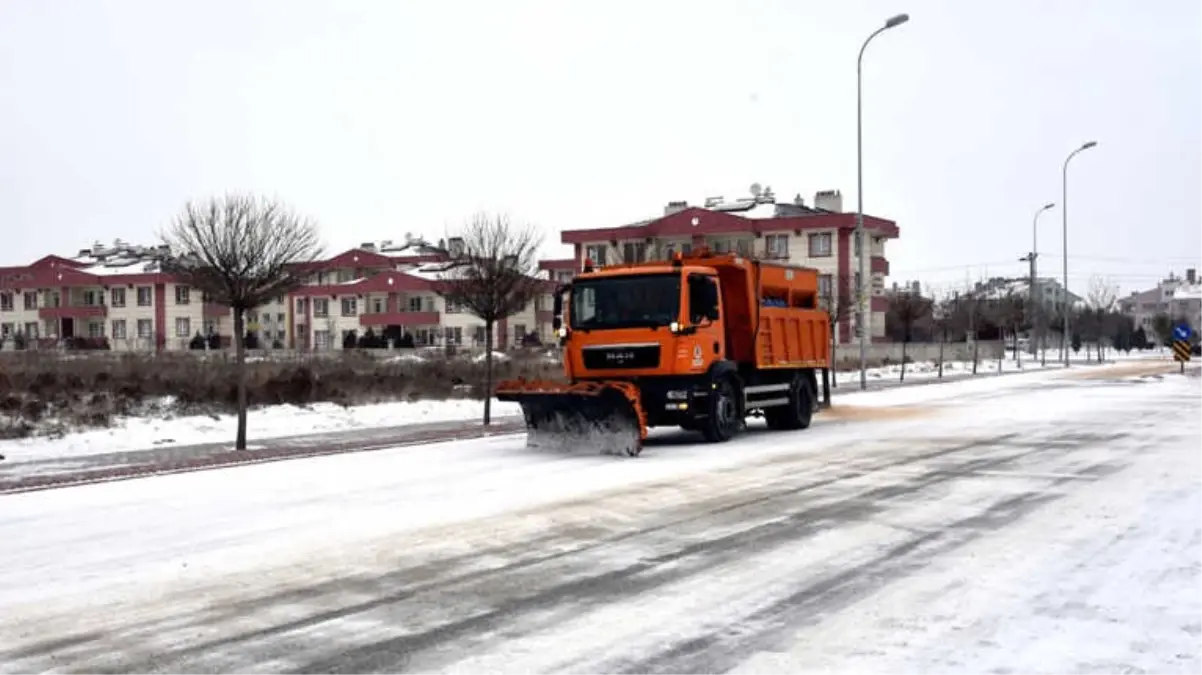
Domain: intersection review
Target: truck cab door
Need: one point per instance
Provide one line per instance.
(705, 314)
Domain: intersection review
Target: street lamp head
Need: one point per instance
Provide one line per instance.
(897, 20)
(1089, 145)
(1049, 205)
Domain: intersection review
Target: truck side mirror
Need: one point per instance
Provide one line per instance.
(557, 308)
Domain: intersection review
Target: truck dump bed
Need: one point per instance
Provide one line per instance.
(773, 318)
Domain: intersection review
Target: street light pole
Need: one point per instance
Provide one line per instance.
(863, 301)
(1036, 304)
(1064, 340)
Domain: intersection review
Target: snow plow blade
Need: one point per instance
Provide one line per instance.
(605, 417)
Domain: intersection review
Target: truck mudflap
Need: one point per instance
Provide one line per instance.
(601, 417)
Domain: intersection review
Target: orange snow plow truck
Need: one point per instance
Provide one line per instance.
(702, 341)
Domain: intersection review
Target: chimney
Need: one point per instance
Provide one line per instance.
(1191, 276)
(829, 200)
(368, 246)
(675, 207)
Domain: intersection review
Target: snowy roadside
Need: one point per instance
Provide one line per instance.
(132, 434)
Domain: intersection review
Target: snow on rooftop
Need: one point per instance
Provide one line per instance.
(1184, 292)
(119, 258)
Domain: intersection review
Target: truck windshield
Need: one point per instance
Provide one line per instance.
(649, 300)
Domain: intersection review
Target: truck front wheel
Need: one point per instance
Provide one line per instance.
(725, 414)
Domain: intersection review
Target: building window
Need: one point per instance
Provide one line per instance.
(350, 306)
(31, 300)
(93, 298)
(145, 296)
(281, 335)
(145, 327)
(117, 297)
(300, 305)
(182, 295)
(595, 253)
(183, 327)
(6, 302)
(321, 339)
(820, 245)
(95, 329)
(454, 335)
(31, 330)
(119, 329)
(415, 303)
(480, 336)
(519, 332)
(777, 246)
(857, 290)
(452, 307)
(634, 252)
(321, 308)
(824, 287)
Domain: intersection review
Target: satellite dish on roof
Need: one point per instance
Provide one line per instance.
(756, 189)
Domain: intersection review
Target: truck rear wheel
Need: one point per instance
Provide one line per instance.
(800, 410)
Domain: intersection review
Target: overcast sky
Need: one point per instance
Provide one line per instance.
(381, 118)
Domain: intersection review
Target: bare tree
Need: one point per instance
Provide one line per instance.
(838, 301)
(942, 315)
(492, 277)
(1010, 315)
(968, 312)
(1102, 297)
(240, 251)
(909, 308)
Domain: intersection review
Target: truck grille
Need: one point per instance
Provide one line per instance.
(634, 356)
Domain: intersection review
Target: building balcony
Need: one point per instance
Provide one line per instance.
(74, 312)
(879, 265)
(401, 319)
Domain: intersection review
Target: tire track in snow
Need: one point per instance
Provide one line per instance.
(549, 586)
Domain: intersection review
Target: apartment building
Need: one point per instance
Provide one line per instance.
(123, 298)
(1049, 292)
(820, 236)
(1175, 296)
(118, 292)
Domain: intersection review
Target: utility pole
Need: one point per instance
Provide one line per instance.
(864, 302)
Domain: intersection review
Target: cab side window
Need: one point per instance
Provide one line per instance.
(703, 298)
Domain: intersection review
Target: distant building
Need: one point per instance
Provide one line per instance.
(118, 292)
(1050, 294)
(1175, 296)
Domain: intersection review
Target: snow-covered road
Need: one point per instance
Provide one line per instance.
(1040, 523)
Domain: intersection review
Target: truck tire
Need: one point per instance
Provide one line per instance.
(725, 415)
(800, 411)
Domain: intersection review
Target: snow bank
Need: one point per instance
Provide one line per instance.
(141, 433)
